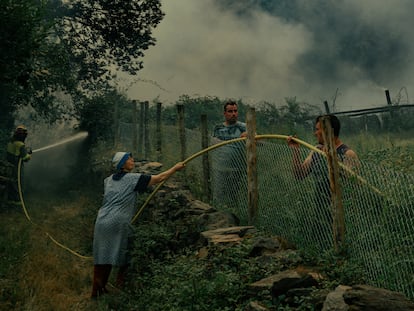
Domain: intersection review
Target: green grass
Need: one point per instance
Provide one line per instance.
(14, 239)
(36, 273)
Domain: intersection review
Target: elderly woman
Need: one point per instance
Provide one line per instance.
(112, 226)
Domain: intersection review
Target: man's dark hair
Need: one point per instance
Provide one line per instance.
(229, 103)
(335, 124)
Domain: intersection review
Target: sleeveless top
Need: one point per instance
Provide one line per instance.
(319, 170)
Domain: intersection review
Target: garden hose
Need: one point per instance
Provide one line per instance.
(192, 157)
(19, 167)
(19, 186)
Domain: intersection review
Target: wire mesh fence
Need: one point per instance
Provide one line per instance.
(377, 201)
(378, 206)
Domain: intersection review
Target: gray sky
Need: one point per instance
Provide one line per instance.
(204, 51)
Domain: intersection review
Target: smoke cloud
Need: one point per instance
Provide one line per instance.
(346, 52)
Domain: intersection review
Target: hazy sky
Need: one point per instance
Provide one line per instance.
(204, 51)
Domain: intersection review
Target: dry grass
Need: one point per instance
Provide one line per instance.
(48, 277)
(52, 279)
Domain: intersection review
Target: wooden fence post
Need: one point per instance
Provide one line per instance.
(141, 128)
(181, 131)
(206, 161)
(325, 102)
(252, 187)
(134, 127)
(388, 97)
(159, 133)
(337, 209)
(394, 113)
(146, 130)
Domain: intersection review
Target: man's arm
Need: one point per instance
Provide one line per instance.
(24, 154)
(300, 169)
(351, 159)
(242, 128)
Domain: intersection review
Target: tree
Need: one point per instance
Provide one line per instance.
(96, 115)
(295, 113)
(22, 34)
(105, 35)
(53, 50)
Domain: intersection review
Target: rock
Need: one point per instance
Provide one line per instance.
(280, 283)
(217, 219)
(225, 235)
(149, 167)
(264, 246)
(197, 207)
(292, 280)
(335, 301)
(367, 298)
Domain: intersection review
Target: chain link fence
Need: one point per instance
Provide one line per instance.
(377, 201)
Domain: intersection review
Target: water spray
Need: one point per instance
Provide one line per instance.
(80, 135)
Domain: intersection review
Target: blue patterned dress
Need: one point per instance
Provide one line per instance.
(112, 226)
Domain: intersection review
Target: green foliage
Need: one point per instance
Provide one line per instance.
(339, 269)
(55, 53)
(109, 33)
(185, 281)
(96, 115)
(23, 32)
(399, 158)
(295, 114)
(292, 117)
(185, 285)
(194, 107)
(212, 107)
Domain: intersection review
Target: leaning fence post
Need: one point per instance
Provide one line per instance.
(338, 216)
(206, 161)
(325, 102)
(252, 187)
(389, 103)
